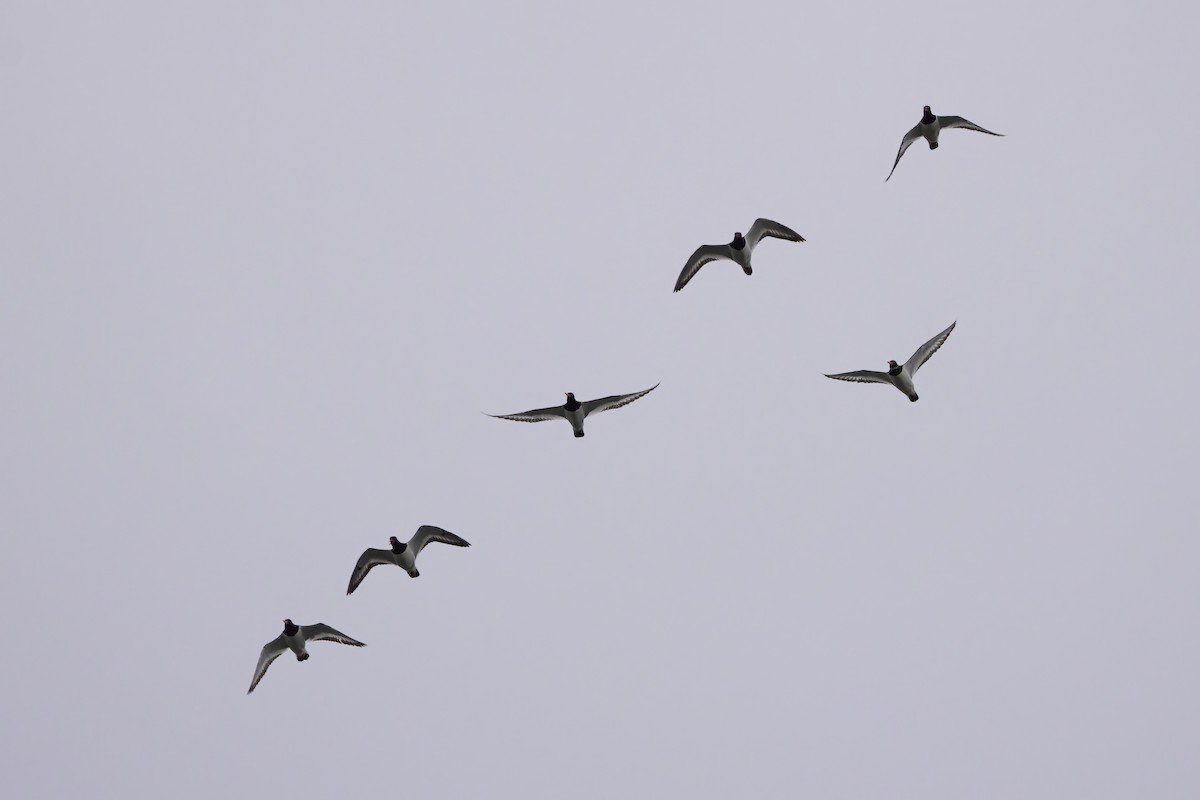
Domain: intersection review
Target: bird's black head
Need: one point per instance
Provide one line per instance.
(572, 404)
(397, 545)
(290, 628)
(738, 242)
(893, 368)
(927, 117)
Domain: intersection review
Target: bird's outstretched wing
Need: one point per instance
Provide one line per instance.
(271, 651)
(536, 415)
(959, 122)
(862, 376)
(615, 401)
(704, 254)
(765, 227)
(431, 533)
(371, 557)
(928, 349)
(909, 138)
(323, 633)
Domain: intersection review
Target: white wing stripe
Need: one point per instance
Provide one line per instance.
(616, 401)
(862, 376)
(536, 415)
(926, 350)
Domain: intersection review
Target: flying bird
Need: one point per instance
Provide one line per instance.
(574, 411)
(900, 376)
(402, 554)
(738, 251)
(294, 638)
(929, 127)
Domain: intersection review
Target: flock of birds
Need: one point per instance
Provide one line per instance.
(404, 554)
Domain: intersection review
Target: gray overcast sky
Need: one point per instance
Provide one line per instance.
(263, 265)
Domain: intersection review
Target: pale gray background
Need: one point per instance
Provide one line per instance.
(263, 265)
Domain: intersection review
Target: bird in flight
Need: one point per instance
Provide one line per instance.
(574, 411)
(402, 554)
(738, 251)
(929, 127)
(900, 376)
(293, 638)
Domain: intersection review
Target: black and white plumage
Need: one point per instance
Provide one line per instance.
(294, 638)
(929, 127)
(900, 376)
(738, 251)
(402, 554)
(573, 411)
